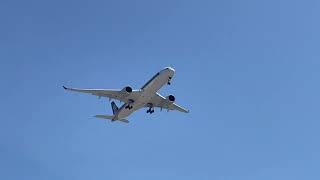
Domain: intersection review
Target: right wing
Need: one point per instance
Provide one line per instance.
(110, 93)
(160, 101)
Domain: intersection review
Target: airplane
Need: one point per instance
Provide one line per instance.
(147, 96)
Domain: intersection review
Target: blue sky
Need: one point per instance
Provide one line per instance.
(247, 70)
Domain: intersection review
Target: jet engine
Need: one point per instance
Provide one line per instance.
(171, 98)
(126, 90)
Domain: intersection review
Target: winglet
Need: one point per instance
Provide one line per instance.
(64, 87)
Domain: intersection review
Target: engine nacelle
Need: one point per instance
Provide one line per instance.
(126, 90)
(171, 98)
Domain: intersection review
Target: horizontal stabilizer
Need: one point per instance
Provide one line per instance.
(123, 120)
(105, 116)
(111, 118)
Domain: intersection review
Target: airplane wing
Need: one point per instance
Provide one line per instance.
(160, 101)
(110, 93)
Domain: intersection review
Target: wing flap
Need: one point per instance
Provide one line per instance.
(97, 92)
(110, 93)
(174, 106)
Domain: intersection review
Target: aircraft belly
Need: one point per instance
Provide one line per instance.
(124, 112)
(148, 93)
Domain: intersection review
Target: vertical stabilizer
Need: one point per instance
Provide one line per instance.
(114, 107)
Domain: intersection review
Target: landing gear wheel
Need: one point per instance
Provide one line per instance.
(129, 104)
(129, 107)
(169, 83)
(150, 111)
(151, 108)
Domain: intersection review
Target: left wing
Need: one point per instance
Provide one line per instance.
(160, 101)
(110, 93)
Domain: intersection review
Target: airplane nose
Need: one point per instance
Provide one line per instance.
(170, 69)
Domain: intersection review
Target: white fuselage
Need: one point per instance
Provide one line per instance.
(148, 92)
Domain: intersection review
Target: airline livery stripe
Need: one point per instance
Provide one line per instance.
(150, 80)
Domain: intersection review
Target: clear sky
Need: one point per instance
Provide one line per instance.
(247, 70)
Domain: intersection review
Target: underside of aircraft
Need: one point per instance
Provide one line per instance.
(145, 97)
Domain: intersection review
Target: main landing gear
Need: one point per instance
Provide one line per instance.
(129, 105)
(151, 108)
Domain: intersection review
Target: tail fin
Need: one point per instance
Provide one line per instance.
(114, 107)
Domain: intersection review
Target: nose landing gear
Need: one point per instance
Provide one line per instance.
(169, 83)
